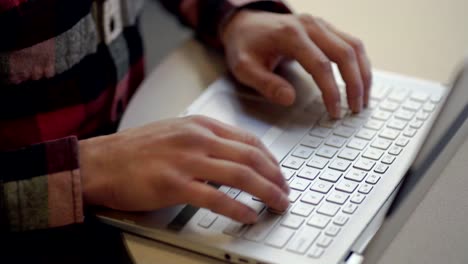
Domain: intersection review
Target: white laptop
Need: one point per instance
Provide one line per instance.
(343, 173)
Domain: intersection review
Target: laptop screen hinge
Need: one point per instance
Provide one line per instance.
(354, 258)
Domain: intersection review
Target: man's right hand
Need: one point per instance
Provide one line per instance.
(168, 162)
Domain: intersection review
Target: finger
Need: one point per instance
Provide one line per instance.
(243, 178)
(343, 54)
(270, 85)
(297, 45)
(203, 195)
(363, 59)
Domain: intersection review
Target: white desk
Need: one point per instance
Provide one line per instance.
(424, 38)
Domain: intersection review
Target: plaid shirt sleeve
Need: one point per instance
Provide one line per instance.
(206, 16)
(40, 186)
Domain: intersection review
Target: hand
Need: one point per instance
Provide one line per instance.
(256, 42)
(166, 163)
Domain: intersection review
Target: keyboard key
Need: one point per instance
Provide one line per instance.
(350, 208)
(326, 152)
(388, 159)
(344, 131)
(292, 221)
(412, 105)
(416, 124)
(302, 209)
(311, 141)
(340, 164)
(330, 175)
(396, 124)
(380, 92)
(357, 198)
(321, 132)
(422, 116)
(321, 186)
(335, 141)
(373, 153)
(346, 186)
(356, 175)
(373, 179)
(308, 173)
(364, 164)
(353, 122)
(287, 173)
(419, 96)
(316, 252)
(324, 241)
(328, 122)
(246, 199)
(381, 115)
(349, 154)
(299, 184)
(402, 141)
(389, 133)
(332, 230)
(337, 197)
(366, 134)
(303, 152)
(340, 219)
(279, 237)
(319, 221)
(374, 124)
(364, 114)
(312, 197)
(435, 98)
(404, 114)
(389, 105)
(381, 143)
(303, 240)
(317, 162)
(262, 228)
(233, 192)
(357, 143)
(395, 150)
(235, 229)
(293, 196)
(208, 220)
(398, 95)
(381, 168)
(365, 188)
(429, 107)
(293, 163)
(410, 132)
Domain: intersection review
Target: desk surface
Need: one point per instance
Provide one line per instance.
(424, 38)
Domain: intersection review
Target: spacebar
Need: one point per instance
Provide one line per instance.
(262, 228)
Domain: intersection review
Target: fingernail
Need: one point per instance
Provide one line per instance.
(285, 96)
(251, 217)
(337, 111)
(356, 104)
(284, 203)
(286, 188)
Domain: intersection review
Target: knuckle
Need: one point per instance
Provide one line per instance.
(357, 45)
(307, 19)
(197, 119)
(241, 63)
(323, 65)
(253, 157)
(251, 139)
(243, 176)
(347, 54)
(289, 28)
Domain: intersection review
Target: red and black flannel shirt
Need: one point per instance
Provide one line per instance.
(67, 71)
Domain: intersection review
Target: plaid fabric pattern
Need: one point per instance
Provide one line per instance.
(62, 79)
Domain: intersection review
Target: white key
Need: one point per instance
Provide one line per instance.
(341, 219)
(357, 143)
(233, 192)
(373, 153)
(396, 124)
(410, 132)
(381, 143)
(302, 209)
(330, 175)
(279, 237)
(293, 163)
(235, 229)
(260, 230)
(395, 150)
(389, 133)
(303, 152)
(435, 98)
(329, 122)
(224, 188)
(346, 186)
(350, 208)
(429, 107)
(356, 175)
(321, 132)
(317, 162)
(388, 159)
(312, 198)
(335, 141)
(357, 198)
(422, 116)
(374, 124)
(287, 173)
(381, 168)
(344, 131)
(308, 173)
(373, 179)
(340, 164)
(316, 252)
(381, 115)
(311, 141)
(353, 122)
(365, 188)
(246, 199)
(337, 197)
(373, 104)
(303, 240)
(416, 124)
(419, 96)
(389, 105)
(366, 134)
(404, 114)
(299, 184)
(364, 114)
(324, 241)
(349, 154)
(364, 164)
(321, 186)
(379, 92)
(411, 105)
(398, 95)
(332, 230)
(319, 221)
(326, 152)
(293, 196)
(292, 221)
(208, 220)
(402, 141)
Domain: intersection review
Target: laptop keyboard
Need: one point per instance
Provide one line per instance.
(332, 171)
